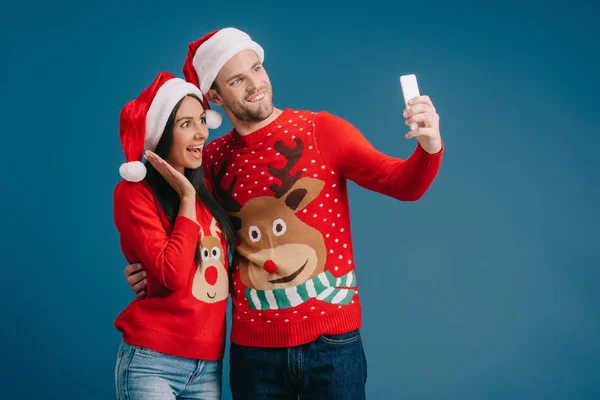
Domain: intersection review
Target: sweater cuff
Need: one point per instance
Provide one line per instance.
(186, 227)
(431, 158)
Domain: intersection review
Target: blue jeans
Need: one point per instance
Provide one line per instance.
(331, 367)
(146, 374)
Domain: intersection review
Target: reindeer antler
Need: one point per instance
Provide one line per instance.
(292, 154)
(214, 229)
(229, 202)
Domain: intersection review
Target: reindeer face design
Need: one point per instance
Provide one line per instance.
(210, 281)
(279, 250)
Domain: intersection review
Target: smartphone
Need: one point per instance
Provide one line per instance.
(410, 89)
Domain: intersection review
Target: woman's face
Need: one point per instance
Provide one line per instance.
(189, 135)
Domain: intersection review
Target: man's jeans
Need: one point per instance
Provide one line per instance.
(331, 367)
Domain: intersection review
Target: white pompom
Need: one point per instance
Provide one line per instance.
(213, 119)
(133, 171)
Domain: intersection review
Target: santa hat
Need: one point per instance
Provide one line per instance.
(143, 120)
(207, 55)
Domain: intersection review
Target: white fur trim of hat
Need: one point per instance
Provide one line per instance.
(217, 50)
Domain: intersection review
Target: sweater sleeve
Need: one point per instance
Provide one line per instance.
(168, 257)
(347, 152)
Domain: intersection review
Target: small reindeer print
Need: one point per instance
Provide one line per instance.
(211, 283)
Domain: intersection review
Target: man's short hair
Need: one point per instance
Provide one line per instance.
(215, 87)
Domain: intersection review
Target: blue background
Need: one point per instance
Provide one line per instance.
(487, 288)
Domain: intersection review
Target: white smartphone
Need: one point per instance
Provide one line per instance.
(410, 89)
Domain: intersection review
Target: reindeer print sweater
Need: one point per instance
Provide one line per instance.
(185, 308)
(285, 187)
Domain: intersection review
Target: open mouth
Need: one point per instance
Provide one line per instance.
(290, 277)
(211, 297)
(195, 151)
(257, 97)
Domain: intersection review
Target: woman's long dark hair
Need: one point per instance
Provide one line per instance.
(168, 197)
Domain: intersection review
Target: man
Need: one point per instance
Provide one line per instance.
(281, 174)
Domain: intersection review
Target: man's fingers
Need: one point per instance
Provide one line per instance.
(416, 119)
(140, 285)
(136, 277)
(140, 295)
(417, 109)
(424, 100)
(420, 100)
(428, 118)
(132, 268)
(421, 132)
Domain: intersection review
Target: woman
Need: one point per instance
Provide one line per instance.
(173, 340)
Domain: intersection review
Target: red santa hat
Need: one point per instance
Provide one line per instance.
(207, 55)
(143, 120)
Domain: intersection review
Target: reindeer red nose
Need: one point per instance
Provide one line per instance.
(211, 274)
(270, 266)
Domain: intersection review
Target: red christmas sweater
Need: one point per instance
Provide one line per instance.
(185, 308)
(285, 187)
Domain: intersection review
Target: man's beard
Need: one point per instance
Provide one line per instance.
(244, 113)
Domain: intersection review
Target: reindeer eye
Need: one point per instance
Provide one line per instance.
(205, 254)
(279, 227)
(254, 233)
(216, 253)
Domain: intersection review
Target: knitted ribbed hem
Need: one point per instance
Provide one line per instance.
(428, 158)
(163, 342)
(257, 334)
(188, 228)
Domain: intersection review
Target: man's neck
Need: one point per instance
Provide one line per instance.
(244, 128)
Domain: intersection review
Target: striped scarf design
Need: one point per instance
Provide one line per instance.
(322, 287)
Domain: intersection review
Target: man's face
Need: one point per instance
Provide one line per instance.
(244, 88)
